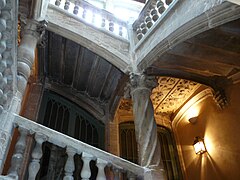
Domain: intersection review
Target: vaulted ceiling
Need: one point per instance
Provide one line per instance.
(80, 74)
(89, 80)
(215, 52)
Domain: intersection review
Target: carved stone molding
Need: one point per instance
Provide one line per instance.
(8, 29)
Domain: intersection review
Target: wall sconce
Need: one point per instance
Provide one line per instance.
(193, 120)
(199, 145)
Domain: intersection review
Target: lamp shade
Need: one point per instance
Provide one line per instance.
(199, 145)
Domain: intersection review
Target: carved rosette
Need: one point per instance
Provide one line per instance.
(145, 125)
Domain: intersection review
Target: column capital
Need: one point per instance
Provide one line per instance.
(35, 28)
(140, 82)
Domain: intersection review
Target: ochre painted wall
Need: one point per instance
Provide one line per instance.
(221, 132)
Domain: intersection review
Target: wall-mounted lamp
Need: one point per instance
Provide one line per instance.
(193, 120)
(199, 145)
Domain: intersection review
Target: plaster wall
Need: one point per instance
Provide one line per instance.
(220, 130)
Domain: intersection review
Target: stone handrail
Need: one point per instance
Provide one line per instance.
(73, 147)
(100, 18)
(151, 13)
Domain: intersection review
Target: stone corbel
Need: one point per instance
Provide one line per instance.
(41, 30)
(219, 84)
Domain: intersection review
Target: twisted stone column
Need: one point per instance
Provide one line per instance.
(149, 151)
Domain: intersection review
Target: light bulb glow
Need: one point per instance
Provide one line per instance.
(199, 145)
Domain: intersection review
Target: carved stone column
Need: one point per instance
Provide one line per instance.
(33, 32)
(149, 152)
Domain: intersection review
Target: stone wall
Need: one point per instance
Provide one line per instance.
(220, 130)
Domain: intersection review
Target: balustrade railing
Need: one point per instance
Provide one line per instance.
(151, 12)
(73, 147)
(95, 16)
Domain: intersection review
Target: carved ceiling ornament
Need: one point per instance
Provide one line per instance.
(171, 94)
(168, 96)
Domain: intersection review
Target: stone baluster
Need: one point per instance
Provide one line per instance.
(120, 33)
(145, 126)
(168, 2)
(84, 12)
(69, 166)
(103, 23)
(101, 165)
(143, 28)
(58, 2)
(148, 21)
(111, 26)
(37, 153)
(17, 157)
(139, 33)
(160, 7)
(67, 4)
(154, 14)
(86, 171)
(76, 8)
